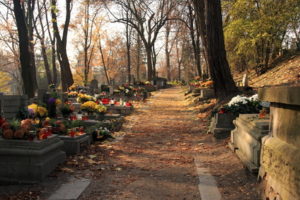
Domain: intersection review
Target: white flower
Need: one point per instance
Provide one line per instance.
(254, 98)
(237, 99)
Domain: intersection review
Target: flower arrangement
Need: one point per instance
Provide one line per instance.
(14, 129)
(198, 83)
(66, 109)
(82, 98)
(92, 107)
(37, 111)
(72, 94)
(242, 105)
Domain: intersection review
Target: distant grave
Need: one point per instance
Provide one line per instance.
(11, 105)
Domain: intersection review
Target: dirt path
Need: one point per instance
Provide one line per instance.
(155, 158)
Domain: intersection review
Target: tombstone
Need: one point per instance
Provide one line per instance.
(245, 81)
(105, 88)
(280, 157)
(11, 105)
(76, 144)
(41, 93)
(221, 125)
(246, 138)
(94, 86)
(24, 161)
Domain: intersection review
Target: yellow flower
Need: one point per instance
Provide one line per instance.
(101, 108)
(33, 107)
(42, 111)
(58, 102)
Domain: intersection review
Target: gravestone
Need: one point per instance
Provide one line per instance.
(11, 105)
(245, 80)
(122, 110)
(280, 157)
(246, 138)
(207, 93)
(94, 86)
(23, 161)
(41, 93)
(76, 144)
(221, 125)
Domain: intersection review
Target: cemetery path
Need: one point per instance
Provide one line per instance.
(156, 157)
(153, 157)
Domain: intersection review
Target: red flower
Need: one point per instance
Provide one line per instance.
(105, 101)
(222, 111)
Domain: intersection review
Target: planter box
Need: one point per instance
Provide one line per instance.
(75, 145)
(246, 139)
(221, 125)
(23, 161)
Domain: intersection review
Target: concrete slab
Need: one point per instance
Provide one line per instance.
(207, 184)
(70, 190)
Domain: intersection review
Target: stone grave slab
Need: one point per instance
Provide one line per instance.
(122, 110)
(246, 139)
(76, 144)
(71, 190)
(23, 161)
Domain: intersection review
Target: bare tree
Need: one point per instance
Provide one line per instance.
(87, 20)
(41, 35)
(147, 18)
(128, 47)
(61, 41)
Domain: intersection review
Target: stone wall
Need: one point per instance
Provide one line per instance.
(280, 157)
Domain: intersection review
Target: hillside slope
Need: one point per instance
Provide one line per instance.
(284, 73)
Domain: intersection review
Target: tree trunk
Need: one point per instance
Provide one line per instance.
(46, 63)
(128, 64)
(27, 67)
(195, 41)
(154, 60)
(224, 85)
(167, 52)
(86, 67)
(138, 64)
(149, 63)
(103, 62)
(54, 69)
(66, 73)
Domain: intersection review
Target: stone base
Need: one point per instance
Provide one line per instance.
(122, 110)
(75, 145)
(111, 116)
(221, 133)
(280, 169)
(29, 161)
(246, 139)
(221, 125)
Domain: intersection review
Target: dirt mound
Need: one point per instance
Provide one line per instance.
(286, 72)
